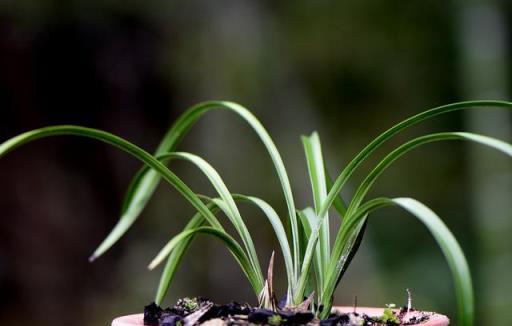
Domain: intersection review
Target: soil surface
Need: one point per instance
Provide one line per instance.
(201, 311)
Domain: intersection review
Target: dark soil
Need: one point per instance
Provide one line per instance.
(201, 311)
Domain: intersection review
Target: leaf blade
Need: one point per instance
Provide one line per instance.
(338, 202)
(388, 134)
(400, 151)
(174, 259)
(309, 220)
(279, 230)
(227, 204)
(452, 252)
(316, 170)
(230, 243)
(451, 249)
(340, 246)
(125, 146)
(138, 196)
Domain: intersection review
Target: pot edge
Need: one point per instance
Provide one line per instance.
(435, 319)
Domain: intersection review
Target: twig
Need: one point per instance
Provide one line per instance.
(409, 304)
(409, 300)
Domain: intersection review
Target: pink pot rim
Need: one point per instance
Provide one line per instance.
(435, 319)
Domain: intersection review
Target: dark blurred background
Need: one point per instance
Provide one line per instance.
(348, 69)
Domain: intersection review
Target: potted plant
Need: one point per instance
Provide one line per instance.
(313, 268)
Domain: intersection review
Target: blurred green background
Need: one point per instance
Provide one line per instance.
(348, 69)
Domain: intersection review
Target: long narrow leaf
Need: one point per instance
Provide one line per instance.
(338, 203)
(214, 203)
(309, 220)
(308, 258)
(316, 169)
(388, 134)
(122, 144)
(365, 186)
(230, 208)
(230, 243)
(352, 246)
(141, 190)
(304, 233)
(345, 232)
(367, 151)
(280, 233)
(449, 245)
(177, 254)
(453, 253)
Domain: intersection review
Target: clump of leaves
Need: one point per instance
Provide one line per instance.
(311, 263)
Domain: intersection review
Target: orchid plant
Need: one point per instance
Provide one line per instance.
(314, 264)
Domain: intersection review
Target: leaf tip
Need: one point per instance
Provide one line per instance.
(153, 264)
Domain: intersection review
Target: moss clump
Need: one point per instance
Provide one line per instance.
(187, 304)
(275, 320)
(388, 317)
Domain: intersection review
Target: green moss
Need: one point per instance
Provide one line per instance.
(188, 304)
(275, 320)
(388, 317)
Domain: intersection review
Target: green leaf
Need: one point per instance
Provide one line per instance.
(228, 241)
(352, 246)
(338, 203)
(388, 134)
(143, 187)
(314, 233)
(146, 158)
(280, 233)
(449, 245)
(304, 233)
(177, 254)
(338, 257)
(124, 145)
(365, 186)
(309, 220)
(357, 161)
(316, 169)
(230, 208)
(453, 253)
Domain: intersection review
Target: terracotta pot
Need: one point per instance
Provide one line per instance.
(435, 319)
